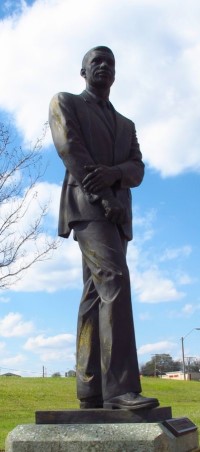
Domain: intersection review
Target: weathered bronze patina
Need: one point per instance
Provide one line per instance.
(100, 151)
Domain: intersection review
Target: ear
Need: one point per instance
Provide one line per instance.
(82, 72)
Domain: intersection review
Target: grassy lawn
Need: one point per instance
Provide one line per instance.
(21, 397)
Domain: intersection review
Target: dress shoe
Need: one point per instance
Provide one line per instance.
(91, 402)
(131, 401)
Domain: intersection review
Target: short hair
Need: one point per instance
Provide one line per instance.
(101, 48)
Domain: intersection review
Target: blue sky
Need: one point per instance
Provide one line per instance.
(157, 85)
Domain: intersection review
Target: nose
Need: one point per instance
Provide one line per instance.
(104, 64)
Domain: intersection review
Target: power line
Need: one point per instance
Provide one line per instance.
(43, 373)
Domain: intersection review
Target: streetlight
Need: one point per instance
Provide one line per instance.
(182, 343)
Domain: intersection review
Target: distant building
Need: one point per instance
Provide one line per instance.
(10, 374)
(70, 373)
(180, 376)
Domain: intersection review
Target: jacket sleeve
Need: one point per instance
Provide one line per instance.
(132, 170)
(67, 137)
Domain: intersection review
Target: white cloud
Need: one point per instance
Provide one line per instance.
(13, 360)
(145, 316)
(4, 299)
(189, 309)
(62, 268)
(167, 150)
(157, 347)
(40, 342)
(52, 348)
(184, 279)
(174, 253)
(144, 224)
(2, 346)
(157, 41)
(152, 287)
(64, 356)
(62, 271)
(13, 325)
(151, 282)
(43, 194)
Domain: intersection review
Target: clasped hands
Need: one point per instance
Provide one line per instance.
(99, 178)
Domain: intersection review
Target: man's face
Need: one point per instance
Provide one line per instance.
(99, 70)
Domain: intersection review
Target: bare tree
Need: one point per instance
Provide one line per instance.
(22, 242)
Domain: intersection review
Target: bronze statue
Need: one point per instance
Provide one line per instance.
(100, 151)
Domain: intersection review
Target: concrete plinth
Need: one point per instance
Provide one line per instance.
(140, 437)
(102, 416)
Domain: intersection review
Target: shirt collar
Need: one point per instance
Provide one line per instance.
(91, 97)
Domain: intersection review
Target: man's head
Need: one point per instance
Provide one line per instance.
(98, 67)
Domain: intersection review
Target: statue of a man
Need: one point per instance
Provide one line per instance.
(100, 151)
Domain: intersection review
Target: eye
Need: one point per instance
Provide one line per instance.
(110, 61)
(97, 60)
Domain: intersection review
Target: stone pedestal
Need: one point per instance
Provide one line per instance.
(102, 416)
(103, 430)
(135, 437)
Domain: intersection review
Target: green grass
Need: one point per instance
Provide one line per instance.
(182, 396)
(21, 397)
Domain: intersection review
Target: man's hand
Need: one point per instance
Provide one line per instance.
(114, 210)
(100, 177)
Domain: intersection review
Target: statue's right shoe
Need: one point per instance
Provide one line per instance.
(91, 403)
(131, 401)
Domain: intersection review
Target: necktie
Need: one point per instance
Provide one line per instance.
(107, 113)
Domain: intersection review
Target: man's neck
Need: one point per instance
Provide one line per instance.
(101, 93)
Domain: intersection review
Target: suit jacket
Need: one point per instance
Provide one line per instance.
(82, 136)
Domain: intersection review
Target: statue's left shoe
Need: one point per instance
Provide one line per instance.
(91, 402)
(131, 401)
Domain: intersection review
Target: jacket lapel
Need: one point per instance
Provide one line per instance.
(98, 111)
(121, 145)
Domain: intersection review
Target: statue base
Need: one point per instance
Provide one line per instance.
(141, 437)
(103, 416)
(100, 430)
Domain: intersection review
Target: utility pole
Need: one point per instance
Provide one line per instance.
(183, 356)
(182, 346)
